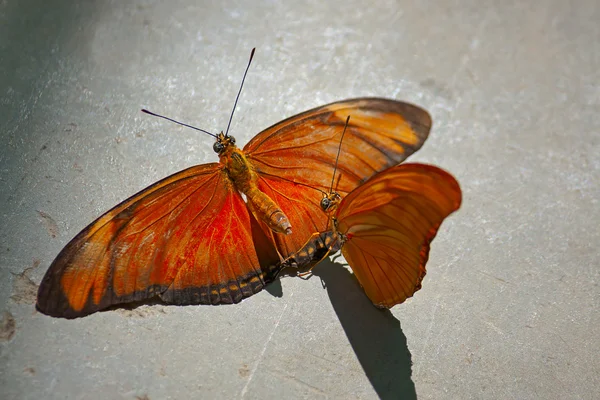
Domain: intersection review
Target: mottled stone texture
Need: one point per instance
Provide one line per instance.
(510, 304)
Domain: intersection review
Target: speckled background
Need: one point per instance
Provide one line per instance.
(510, 306)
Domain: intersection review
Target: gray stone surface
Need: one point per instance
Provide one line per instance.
(510, 306)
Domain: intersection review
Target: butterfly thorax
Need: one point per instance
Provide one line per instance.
(237, 167)
(245, 180)
(342, 237)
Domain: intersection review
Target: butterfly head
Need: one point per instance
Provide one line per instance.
(330, 202)
(223, 142)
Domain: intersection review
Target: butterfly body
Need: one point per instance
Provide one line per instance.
(245, 179)
(319, 246)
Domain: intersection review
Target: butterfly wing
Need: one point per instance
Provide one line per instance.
(295, 158)
(178, 239)
(389, 223)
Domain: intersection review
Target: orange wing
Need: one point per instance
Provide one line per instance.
(178, 239)
(295, 158)
(388, 224)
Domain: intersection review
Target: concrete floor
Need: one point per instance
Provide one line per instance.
(510, 305)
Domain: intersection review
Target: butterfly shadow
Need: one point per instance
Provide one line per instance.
(375, 335)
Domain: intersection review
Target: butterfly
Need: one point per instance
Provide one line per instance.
(217, 233)
(384, 228)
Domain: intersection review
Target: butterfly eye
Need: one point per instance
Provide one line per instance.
(218, 147)
(325, 203)
(232, 139)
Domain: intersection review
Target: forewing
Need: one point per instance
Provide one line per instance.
(389, 223)
(303, 148)
(295, 158)
(188, 239)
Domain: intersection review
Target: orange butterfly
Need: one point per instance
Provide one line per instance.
(192, 238)
(384, 228)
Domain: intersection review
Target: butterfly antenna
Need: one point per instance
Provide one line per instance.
(177, 122)
(240, 91)
(338, 154)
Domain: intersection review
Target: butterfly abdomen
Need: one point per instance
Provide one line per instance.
(318, 246)
(265, 209)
